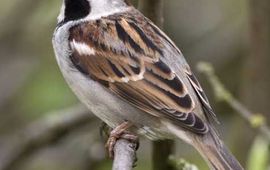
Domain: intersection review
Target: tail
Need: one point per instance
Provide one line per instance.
(215, 152)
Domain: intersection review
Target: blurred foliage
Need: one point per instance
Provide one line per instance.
(259, 156)
(46, 91)
(182, 164)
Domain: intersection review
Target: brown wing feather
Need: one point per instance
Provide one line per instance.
(128, 58)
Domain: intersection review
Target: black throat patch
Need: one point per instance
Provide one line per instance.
(76, 9)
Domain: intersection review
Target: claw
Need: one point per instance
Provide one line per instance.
(120, 132)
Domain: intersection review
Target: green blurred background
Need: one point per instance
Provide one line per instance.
(233, 35)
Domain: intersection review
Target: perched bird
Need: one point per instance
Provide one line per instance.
(134, 78)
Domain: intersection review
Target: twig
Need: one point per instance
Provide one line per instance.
(42, 133)
(256, 120)
(125, 155)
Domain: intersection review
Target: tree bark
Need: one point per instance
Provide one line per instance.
(256, 87)
(162, 150)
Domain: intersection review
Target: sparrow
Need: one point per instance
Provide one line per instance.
(133, 77)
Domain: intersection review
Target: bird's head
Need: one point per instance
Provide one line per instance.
(78, 9)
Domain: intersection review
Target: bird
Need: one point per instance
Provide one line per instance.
(133, 77)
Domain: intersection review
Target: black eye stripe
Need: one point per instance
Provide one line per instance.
(76, 9)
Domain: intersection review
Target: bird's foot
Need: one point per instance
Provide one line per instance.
(121, 132)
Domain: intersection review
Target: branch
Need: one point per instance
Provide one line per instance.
(125, 155)
(42, 133)
(256, 120)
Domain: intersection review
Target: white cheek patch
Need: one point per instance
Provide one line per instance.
(82, 48)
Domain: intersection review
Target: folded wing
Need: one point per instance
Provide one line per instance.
(125, 55)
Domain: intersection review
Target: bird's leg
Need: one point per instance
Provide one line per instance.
(120, 132)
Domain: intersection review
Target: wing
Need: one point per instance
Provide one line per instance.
(125, 55)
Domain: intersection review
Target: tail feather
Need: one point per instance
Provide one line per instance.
(216, 153)
(210, 147)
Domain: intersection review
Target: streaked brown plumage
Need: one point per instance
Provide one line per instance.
(135, 71)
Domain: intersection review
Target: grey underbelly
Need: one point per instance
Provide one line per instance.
(111, 109)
